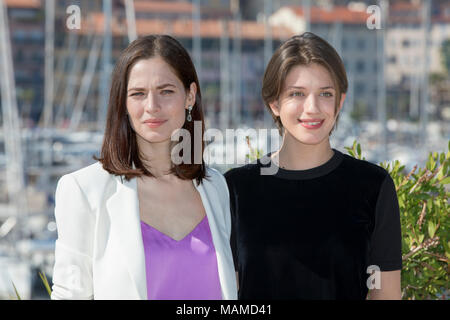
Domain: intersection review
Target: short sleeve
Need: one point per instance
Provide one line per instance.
(229, 179)
(386, 240)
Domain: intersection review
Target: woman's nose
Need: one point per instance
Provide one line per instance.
(310, 104)
(151, 104)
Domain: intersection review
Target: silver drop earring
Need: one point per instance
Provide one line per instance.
(189, 116)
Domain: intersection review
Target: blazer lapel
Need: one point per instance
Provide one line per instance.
(216, 235)
(123, 210)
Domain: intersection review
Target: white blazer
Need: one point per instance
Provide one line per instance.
(99, 253)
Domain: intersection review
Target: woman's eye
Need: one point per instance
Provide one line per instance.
(326, 94)
(136, 94)
(296, 94)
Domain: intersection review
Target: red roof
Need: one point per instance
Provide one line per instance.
(23, 3)
(404, 6)
(405, 12)
(208, 29)
(336, 14)
(163, 6)
(184, 28)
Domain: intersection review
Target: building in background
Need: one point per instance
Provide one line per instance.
(26, 27)
(231, 60)
(405, 40)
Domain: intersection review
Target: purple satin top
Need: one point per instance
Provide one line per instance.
(181, 270)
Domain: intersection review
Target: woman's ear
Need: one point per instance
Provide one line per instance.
(274, 106)
(192, 93)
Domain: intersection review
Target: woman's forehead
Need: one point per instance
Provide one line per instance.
(311, 75)
(152, 71)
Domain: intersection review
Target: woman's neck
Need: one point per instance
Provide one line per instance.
(155, 156)
(294, 155)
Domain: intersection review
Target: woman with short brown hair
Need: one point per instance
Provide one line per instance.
(147, 221)
(323, 221)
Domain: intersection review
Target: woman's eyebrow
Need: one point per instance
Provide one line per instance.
(295, 87)
(136, 89)
(164, 85)
(321, 88)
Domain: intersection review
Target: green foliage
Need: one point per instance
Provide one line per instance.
(355, 151)
(45, 282)
(424, 208)
(254, 153)
(17, 293)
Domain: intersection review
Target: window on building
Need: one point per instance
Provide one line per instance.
(19, 36)
(360, 88)
(393, 42)
(360, 66)
(392, 59)
(361, 44)
(37, 35)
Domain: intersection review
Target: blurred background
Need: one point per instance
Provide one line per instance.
(57, 57)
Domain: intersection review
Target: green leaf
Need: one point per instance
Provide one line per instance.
(431, 164)
(442, 158)
(400, 202)
(396, 165)
(405, 245)
(446, 245)
(440, 174)
(445, 181)
(358, 149)
(431, 228)
(421, 236)
(45, 281)
(15, 290)
(422, 196)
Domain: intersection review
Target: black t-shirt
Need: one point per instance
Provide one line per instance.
(312, 234)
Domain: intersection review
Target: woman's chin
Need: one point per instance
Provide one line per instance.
(154, 137)
(309, 138)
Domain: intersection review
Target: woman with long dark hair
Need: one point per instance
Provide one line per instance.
(144, 222)
(325, 225)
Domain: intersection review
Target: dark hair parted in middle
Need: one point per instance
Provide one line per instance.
(120, 153)
(303, 49)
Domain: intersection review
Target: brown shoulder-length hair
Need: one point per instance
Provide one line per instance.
(302, 49)
(120, 153)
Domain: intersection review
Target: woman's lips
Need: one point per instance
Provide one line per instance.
(154, 123)
(308, 124)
